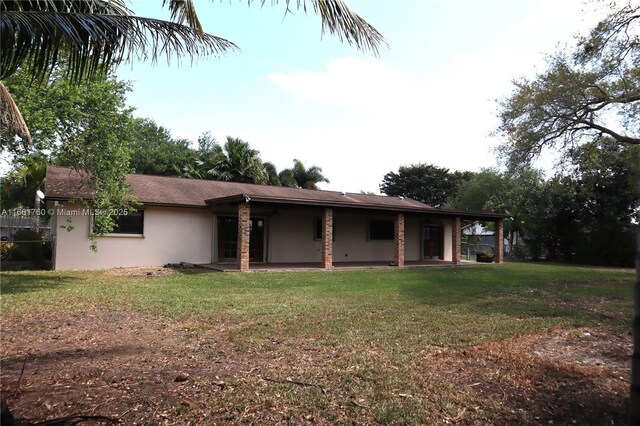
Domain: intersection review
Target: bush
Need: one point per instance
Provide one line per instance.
(6, 247)
(484, 256)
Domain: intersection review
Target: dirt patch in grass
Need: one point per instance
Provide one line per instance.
(128, 366)
(124, 365)
(561, 376)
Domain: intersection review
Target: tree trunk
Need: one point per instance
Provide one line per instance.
(635, 359)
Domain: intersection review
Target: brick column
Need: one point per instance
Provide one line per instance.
(327, 238)
(455, 243)
(498, 253)
(398, 236)
(244, 229)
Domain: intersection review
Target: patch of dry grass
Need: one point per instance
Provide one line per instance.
(513, 344)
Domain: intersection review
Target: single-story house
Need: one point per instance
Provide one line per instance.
(246, 225)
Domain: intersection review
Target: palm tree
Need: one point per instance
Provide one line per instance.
(301, 177)
(235, 161)
(272, 174)
(239, 163)
(93, 36)
(20, 185)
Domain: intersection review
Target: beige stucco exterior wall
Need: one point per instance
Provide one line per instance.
(291, 237)
(171, 235)
(352, 243)
(174, 235)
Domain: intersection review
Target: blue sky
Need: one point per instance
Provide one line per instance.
(291, 93)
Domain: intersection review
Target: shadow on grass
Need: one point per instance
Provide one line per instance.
(15, 363)
(559, 393)
(552, 296)
(25, 282)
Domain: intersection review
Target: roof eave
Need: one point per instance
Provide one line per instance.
(142, 203)
(237, 198)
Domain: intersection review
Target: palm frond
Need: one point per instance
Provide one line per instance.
(110, 7)
(339, 20)
(184, 11)
(11, 120)
(95, 42)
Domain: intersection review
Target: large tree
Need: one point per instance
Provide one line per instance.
(603, 172)
(475, 192)
(234, 161)
(586, 92)
(590, 90)
(512, 193)
(272, 174)
(426, 183)
(54, 110)
(585, 214)
(87, 127)
(155, 152)
(239, 163)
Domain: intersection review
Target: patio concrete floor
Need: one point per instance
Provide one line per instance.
(337, 266)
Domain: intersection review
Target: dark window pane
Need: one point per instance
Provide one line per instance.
(381, 230)
(318, 228)
(133, 223)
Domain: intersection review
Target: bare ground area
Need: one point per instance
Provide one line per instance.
(139, 369)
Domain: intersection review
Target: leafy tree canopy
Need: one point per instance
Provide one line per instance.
(426, 183)
(583, 214)
(55, 111)
(155, 152)
(474, 194)
(86, 127)
(590, 90)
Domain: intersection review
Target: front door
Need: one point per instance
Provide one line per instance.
(432, 242)
(228, 239)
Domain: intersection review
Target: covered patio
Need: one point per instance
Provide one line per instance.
(263, 232)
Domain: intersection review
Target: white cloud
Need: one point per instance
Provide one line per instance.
(349, 82)
(394, 118)
(442, 115)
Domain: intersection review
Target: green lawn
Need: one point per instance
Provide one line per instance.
(473, 302)
(378, 320)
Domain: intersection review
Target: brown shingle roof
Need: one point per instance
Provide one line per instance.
(63, 183)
